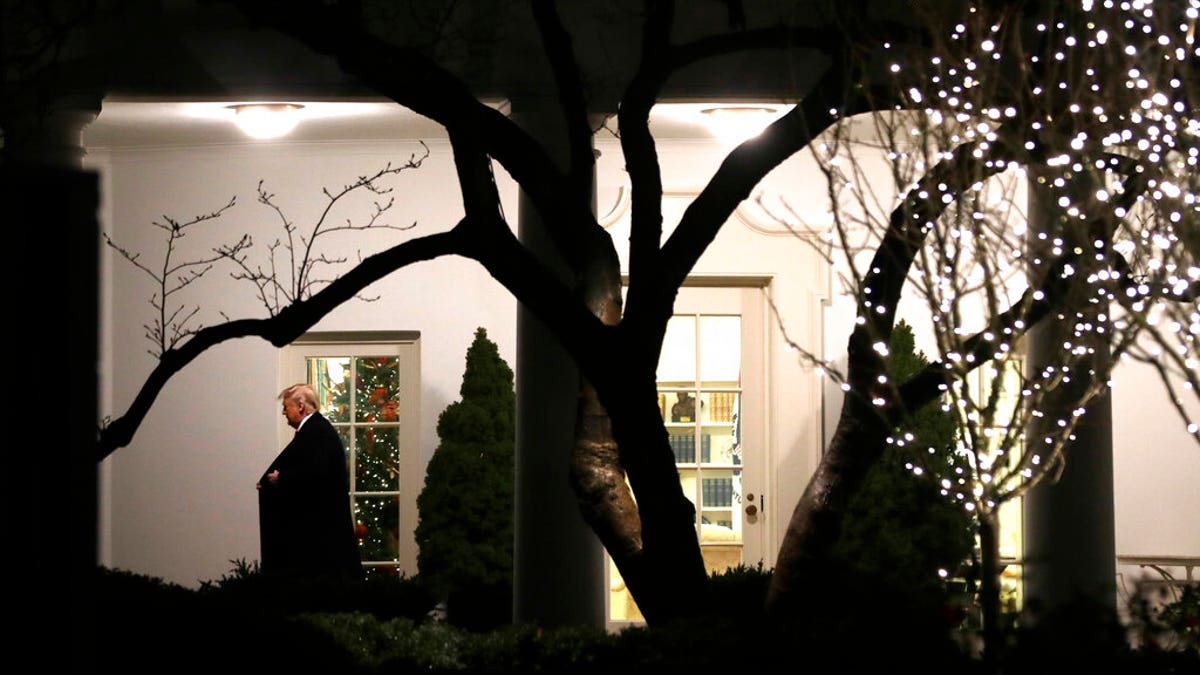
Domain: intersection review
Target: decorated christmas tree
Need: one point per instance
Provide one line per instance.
(465, 528)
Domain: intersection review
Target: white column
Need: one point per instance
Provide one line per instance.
(51, 223)
(1069, 524)
(558, 566)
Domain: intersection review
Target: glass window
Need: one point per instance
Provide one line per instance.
(1006, 396)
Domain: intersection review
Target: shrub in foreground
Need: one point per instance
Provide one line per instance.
(243, 624)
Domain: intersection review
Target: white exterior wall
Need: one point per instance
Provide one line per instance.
(179, 503)
(1156, 474)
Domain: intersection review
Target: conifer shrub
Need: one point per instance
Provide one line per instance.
(465, 510)
(899, 528)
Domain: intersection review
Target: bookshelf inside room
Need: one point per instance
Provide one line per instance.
(701, 421)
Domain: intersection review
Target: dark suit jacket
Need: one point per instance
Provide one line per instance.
(305, 526)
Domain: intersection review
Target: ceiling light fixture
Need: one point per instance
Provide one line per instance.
(736, 123)
(266, 120)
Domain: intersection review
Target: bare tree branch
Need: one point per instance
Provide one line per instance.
(170, 327)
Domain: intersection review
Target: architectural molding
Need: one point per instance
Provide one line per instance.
(749, 213)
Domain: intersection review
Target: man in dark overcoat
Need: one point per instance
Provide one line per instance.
(305, 523)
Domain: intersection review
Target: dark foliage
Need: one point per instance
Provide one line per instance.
(899, 528)
(146, 625)
(230, 626)
(465, 527)
(739, 591)
(382, 597)
(1181, 619)
(1083, 636)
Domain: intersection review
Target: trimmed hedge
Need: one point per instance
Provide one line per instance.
(247, 623)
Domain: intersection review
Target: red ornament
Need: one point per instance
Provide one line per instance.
(360, 531)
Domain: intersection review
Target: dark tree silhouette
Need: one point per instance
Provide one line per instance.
(840, 57)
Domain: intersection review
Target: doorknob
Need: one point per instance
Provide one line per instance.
(752, 509)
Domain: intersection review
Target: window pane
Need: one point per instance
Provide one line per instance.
(718, 406)
(330, 377)
(720, 348)
(377, 455)
(719, 448)
(677, 363)
(378, 526)
(1010, 529)
(683, 442)
(722, 501)
(687, 479)
(376, 396)
(681, 405)
(720, 521)
(717, 493)
(344, 436)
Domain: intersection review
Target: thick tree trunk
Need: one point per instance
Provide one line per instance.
(989, 584)
(599, 484)
(622, 451)
(597, 476)
(668, 579)
(816, 522)
(653, 541)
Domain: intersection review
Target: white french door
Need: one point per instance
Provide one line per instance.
(712, 394)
